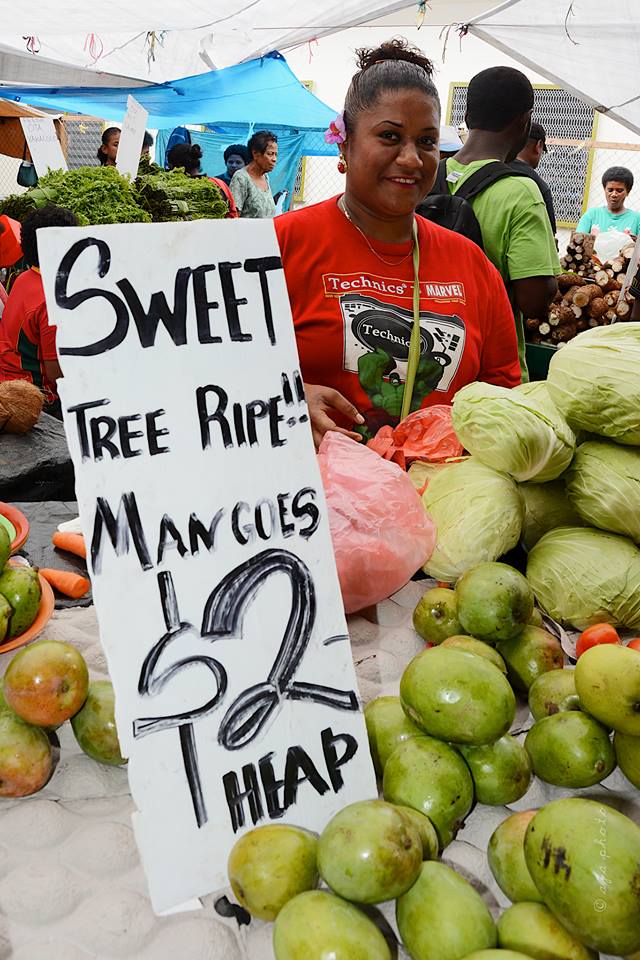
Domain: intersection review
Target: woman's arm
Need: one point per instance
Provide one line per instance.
(323, 404)
(239, 189)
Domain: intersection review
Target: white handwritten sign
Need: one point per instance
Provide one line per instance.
(44, 146)
(131, 137)
(201, 502)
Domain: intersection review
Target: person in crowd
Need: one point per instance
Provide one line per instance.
(187, 156)
(513, 219)
(250, 185)
(528, 161)
(147, 143)
(351, 262)
(450, 142)
(236, 156)
(618, 184)
(27, 342)
(108, 149)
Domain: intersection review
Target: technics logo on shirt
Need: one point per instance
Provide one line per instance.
(338, 284)
(384, 329)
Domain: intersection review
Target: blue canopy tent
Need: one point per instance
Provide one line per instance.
(229, 104)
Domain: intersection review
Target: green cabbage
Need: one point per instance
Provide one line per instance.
(603, 484)
(478, 514)
(582, 576)
(545, 507)
(519, 431)
(595, 382)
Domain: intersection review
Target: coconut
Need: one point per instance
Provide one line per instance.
(20, 405)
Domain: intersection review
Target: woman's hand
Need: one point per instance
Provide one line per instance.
(323, 404)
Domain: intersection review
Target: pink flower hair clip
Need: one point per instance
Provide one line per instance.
(337, 132)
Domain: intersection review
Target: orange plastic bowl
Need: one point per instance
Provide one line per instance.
(20, 523)
(45, 611)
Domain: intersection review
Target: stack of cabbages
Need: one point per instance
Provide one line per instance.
(555, 464)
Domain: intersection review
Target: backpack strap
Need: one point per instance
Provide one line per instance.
(440, 185)
(484, 177)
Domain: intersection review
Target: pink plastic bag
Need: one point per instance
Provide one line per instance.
(380, 530)
(426, 434)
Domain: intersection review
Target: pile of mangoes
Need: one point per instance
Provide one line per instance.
(20, 593)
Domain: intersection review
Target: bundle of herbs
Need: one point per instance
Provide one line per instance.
(172, 195)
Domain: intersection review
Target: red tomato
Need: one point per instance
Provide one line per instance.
(595, 635)
(634, 644)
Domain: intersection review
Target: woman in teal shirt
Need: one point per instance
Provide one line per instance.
(617, 183)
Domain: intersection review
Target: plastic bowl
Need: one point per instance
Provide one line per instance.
(19, 522)
(45, 611)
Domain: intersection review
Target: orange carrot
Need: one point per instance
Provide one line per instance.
(67, 582)
(71, 542)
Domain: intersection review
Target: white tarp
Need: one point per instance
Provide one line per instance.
(158, 40)
(591, 50)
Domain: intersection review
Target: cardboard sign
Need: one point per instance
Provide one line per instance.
(203, 511)
(131, 137)
(44, 146)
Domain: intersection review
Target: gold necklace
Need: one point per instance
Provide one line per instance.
(391, 263)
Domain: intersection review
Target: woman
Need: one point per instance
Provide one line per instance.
(349, 264)
(108, 149)
(250, 185)
(236, 156)
(187, 157)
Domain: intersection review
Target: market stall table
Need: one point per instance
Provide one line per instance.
(36, 465)
(71, 882)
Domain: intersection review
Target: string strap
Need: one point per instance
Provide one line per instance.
(414, 343)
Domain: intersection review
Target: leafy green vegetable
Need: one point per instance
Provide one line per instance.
(583, 576)
(594, 382)
(478, 514)
(517, 431)
(603, 484)
(172, 195)
(545, 507)
(94, 194)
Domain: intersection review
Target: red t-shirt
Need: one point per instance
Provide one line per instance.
(353, 313)
(26, 339)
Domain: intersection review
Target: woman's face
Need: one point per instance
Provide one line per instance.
(234, 162)
(110, 148)
(267, 160)
(392, 155)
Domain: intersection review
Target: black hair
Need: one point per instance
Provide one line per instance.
(260, 141)
(185, 155)
(49, 216)
(238, 150)
(618, 175)
(496, 97)
(394, 65)
(106, 136)
(147, 140)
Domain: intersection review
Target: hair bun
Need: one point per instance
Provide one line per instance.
(196, 151)
(396, 49)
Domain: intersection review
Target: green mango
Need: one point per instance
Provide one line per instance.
(5, 546)
(426, 831)
(387, 726)
(21, 587)
(553, 692)
(536, 619)
(431, 777)
(608, 685)
(530, 655)
(532, 929)
(6, 611)
(94, 725)
(457, 696)
(369, 852)
(584, 858)
(436, 615)
(442, 917)
(501, 771)
(570, 750)
(628, 755)
(496, 954)
(317, 926)
(270, 865)
(479, 647)
(505, 854)
(495, 602)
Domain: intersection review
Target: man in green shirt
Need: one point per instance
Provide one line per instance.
(513, 219)
(617, 183)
